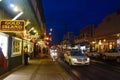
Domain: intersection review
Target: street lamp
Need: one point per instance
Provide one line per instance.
(51, 29)
(50, 34)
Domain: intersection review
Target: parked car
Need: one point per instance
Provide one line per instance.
(75, 57)
(94, 54)
(113, 54)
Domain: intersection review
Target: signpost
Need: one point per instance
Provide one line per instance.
(12, 25)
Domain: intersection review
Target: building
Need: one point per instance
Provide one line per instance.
(13, 43)
(107, 33)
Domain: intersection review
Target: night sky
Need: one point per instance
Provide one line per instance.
(72, 15)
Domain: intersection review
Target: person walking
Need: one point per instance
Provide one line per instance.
(26, 55)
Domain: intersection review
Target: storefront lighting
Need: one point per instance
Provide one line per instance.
(31, 29)
(100, 42)
(104, 40)
(15, 9)
(12, 5)
(18, 15)
(118, 35)
(35, 31)
(93, 42)
(27, 23)
(47, 38)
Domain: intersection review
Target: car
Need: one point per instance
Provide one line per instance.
(75, 57)
(54, 54)
(93, 54)
(113, 54)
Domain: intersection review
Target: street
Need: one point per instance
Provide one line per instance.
(97, 70)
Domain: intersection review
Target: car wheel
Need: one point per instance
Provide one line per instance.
(118, 59)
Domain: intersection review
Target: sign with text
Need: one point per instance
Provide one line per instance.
(12, 25)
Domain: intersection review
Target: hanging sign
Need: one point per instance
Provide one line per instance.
(12, 25)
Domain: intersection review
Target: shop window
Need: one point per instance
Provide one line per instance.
(16, 46)
(30, 46)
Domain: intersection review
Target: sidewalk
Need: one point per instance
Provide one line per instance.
(39, 69)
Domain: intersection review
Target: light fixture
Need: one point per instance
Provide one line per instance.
(18, 15)
(100, 43)
(15, 9)
(50, 29)
(27, 22)
(50, 34)
(34, 31)
(93, 42)
(12, 5)
(31, 29)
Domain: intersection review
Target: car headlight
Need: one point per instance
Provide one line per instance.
(74, 59)
(56, 54)
(88, 59)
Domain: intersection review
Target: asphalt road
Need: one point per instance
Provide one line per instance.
(97, 70)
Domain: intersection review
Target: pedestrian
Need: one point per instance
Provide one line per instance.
(26, 55)
(3, 60)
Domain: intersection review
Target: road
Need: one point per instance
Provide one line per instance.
(97, 70)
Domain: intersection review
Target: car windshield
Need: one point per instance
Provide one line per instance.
(76, 53)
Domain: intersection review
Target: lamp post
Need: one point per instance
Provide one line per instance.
(50, 36)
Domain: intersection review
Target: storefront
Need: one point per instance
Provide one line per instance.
(30, 46)
(118, 43)
(103, 45)
(16, 47)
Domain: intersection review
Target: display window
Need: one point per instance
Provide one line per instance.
(118, 43)
(4, 43)
(30, 46)
(16, 46)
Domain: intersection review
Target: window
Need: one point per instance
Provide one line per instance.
(16, 46)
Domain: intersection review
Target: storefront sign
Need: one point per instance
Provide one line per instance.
(12, 25)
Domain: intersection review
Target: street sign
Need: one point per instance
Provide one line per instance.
(12, 25)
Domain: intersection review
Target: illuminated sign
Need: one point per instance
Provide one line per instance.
(12, 25)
